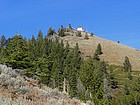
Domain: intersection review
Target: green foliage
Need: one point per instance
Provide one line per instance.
(99, 49)
(91, 34)
(136, 84)
(126, 89)
(72, 63)
(2, 41)
(79, 34)
(59, 66)
(98, 52)
(51, 31)
(15, 53)
(112, 81)
(96, 57)
(127, 65)
(129, 75)
(91, 76)
(61, 32)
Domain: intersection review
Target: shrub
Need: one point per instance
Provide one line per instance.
(79, 34)
(91, 34)
(3, 78)
(10, 78)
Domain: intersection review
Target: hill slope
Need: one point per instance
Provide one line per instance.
(113, 52)
(17, 89)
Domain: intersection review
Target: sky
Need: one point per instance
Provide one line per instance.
(116, 20)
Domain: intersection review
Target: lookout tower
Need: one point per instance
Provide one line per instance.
(80, 28)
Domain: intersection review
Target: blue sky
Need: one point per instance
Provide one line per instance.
(117, 20)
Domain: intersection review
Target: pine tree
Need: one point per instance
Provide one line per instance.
(72, 63)
(98, 52)
(103, 67)
(79, 34)
(61, 32)
(99, 49)
(73, 82)
(129, 75)
(103, 71)
(40, 45)
(126, 89)
(127, 65)
(2, 41)
(40, 35)
(91, 76)
(112, 80)
(30, 51)
(33, 40)
(77, 58)
(51, 31)
(96, 57)
(66, 52)
(136, 84)
(15, 53)
(41, 70)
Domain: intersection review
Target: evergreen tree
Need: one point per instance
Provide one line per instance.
(99, 49)
(136, 84)
(112, 80)
(30, 51)
(98, 52)
(129, 75)
(33, 40)
(103, 67)
(42, 71)
(79, 34)
(72, 64)
(61, 32)
(15, 53)
(96, 57)
(91, 34)
(126, 89)
(92, 78)
(77, 57)
(40, 45)
(66, 51)
(104, 73)
(51, 31)
(2, 41)
(40, 35)
(127, 65)
(73, 83)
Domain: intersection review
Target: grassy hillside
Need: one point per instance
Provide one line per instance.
(113, 52)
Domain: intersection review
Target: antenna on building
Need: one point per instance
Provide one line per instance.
(69, 25)
(17, 33)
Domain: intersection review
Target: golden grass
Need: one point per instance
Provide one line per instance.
(113, 52)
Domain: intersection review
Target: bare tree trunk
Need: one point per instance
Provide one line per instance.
(64, 85)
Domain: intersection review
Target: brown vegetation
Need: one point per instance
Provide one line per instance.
(113, 52)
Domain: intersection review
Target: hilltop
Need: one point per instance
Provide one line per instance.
(113, 52)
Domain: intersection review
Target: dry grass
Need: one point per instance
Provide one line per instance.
(20, 90)
(113, 52)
